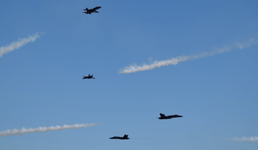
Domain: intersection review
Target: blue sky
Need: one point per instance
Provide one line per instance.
(41, 82)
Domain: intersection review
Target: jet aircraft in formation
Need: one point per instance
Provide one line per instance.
(93, 10)
(125, 137)
(162, 116)
(88, 77)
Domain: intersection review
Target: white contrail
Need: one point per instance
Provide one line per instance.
(44, 129)
(18, 44)
(246, 139)
(175, 61)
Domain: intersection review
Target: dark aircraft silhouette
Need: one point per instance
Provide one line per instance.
(93, 10)
(162, 116)
(88, 77)
(125, 137)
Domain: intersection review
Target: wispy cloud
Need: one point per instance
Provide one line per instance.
(44, 129)
(18, 44)
(175, 61)
(246, 139)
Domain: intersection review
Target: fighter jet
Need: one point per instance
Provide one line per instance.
(125, 137)
(88, 77)
(162, 116)
(93, 10)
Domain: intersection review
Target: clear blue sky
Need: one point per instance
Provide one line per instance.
(41, 83)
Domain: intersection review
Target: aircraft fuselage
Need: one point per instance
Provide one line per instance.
(125, 137)
(170, 117)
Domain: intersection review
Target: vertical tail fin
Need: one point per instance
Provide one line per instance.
(162, 115)
(125, 136)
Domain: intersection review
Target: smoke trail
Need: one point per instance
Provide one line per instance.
(245, 139)
(44, 129)
(18, 44)
(175, 61)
